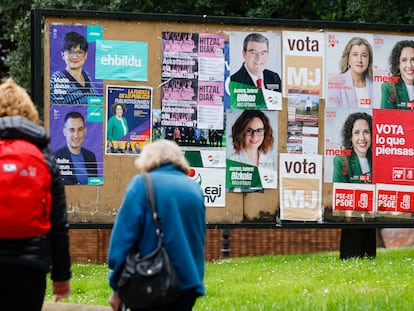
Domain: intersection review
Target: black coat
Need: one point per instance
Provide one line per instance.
(50, 252)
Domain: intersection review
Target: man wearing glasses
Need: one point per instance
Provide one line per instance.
(252, 72)
(73, 84)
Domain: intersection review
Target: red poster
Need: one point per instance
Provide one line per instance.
(393, 147)
(351, 199)
(344, 199)
(395, 200)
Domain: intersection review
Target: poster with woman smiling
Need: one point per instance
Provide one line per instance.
(393, 71)
(334, 142)
(349, 63)
(72, 65)
(251, 150)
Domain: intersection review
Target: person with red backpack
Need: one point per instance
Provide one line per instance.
(34, 230)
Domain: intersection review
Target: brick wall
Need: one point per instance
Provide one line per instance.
(91, 245)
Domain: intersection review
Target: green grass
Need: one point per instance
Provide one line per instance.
(285, 282)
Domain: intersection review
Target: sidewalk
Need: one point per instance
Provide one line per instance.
(61, 306)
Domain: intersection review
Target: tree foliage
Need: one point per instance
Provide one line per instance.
(16, 16)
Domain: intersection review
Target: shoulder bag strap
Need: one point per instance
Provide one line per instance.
(152, 201)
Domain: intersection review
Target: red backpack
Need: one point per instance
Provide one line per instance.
(25, 190)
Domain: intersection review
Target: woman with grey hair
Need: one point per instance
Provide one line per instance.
(180, 206)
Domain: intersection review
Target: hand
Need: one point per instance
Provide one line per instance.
(115, 301)
(61, 290)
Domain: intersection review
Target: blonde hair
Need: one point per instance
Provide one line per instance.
(14, 101)
(347, 50)
(161, 152)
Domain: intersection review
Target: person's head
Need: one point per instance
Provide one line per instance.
(74, 50)
(14, 101)
(118, 109)
(255, 53)
(74, 130)
(137, 147)
(161, 152)
(128, 146)
(402, 60)
(109, 144)
(357, 57)
(356, 133)
(252, 129)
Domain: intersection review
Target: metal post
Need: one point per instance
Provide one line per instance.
(225, 243)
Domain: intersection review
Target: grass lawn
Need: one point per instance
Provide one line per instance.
(285, 282)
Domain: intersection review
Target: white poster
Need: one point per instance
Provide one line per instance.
(300, 187)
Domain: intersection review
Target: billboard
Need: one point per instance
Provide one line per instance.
(246, 107)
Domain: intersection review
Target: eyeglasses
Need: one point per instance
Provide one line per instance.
(257, 53)
(259, 132)
(78, 53)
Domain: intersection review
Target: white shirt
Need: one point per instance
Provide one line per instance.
(363, 162)
(362, 95)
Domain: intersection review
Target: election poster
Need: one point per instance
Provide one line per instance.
(208, 170)
(128, 124)
(73, 78)
(393, 147)
(335, 127)
(251, 150)
(349, 65)
(300, 187)
(192, 86)
(212, 183)
(395, 201)
(122, 60)
(77, 143)
(303, 55)
(353, 200)
(389, 79)
(255, 70)
(303, 62)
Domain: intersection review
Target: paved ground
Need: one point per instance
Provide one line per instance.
(60, 306)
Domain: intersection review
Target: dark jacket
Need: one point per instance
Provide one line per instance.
(271, 79)
(49, 252)
(395, 95)
(90, 164)
(348, 169)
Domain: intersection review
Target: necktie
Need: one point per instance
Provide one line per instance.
(259, 83)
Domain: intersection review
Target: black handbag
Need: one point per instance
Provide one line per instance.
(150, 280)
